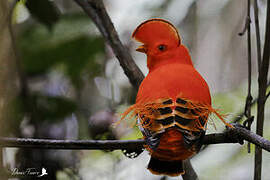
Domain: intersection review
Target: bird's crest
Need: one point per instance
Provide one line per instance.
(156, 29)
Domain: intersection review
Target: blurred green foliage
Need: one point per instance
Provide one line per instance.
(68, 48)
(42, 50)
(44, 11)
(74, 55)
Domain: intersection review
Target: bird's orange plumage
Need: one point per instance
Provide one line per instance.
(173, 101)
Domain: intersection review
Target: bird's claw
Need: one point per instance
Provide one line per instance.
(233, 135)
(247, 123)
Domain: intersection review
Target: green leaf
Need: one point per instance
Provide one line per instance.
(44, 11)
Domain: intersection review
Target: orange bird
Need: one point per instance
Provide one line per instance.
(173, 101)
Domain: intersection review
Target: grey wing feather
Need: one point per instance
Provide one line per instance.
(152, 140)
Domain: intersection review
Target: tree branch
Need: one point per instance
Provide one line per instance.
(70, 144)
(235, 135)
(1, 158)
(262, 81)
(96, 11)
(190, 172)
(21, 75)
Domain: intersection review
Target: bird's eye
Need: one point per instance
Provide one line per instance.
(161, 47)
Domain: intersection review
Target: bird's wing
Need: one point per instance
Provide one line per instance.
(190, 118)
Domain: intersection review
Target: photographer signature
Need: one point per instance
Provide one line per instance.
(29, 172)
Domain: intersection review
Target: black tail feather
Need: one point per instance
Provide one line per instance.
(170, 168)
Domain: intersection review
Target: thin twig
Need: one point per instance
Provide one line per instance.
(96, 11)
(247, 22)
(267, 96)
(249, 97)
(257, 29)
(262, 81)
(249, 120)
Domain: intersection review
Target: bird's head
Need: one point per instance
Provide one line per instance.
(160, 39)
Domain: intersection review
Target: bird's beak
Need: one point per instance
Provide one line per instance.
(142, 49)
